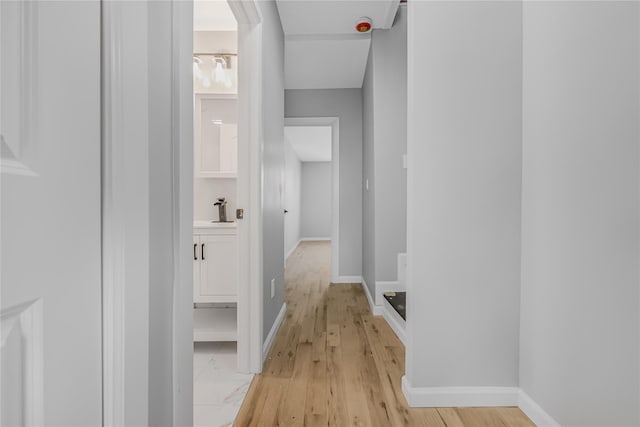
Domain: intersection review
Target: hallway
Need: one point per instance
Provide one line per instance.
(333, 363)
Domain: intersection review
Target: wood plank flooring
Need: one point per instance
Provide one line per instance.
(334, 364)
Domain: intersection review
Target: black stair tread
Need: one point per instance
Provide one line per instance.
(398, 301)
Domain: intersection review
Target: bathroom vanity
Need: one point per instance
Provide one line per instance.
(215, 281)
(215, 244)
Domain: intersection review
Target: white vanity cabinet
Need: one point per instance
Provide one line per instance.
(215, 264)
(215, 281)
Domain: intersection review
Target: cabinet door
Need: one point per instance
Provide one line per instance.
(196, 268)
(228, 148)
(215, 136)
(218, 268)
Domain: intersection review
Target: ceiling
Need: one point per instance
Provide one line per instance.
(322, 48)
(213, 15)
(311, 143)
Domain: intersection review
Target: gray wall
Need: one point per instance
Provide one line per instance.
(347, 105)
(384, 110)
(579, 323)
(273, 160)
(463, 239)
(292, 195)
(389, 53)
(316, 200)
(368, 173)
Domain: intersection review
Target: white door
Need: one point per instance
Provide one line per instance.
(50, 300)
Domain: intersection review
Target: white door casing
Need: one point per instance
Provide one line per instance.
(125, 397)
(125, 213)
(249, 183)
(51, 371)
(334, 122)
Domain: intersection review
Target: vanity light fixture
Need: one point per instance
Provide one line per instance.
(221, 64)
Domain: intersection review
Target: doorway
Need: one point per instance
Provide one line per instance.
(168, 101)
(311, 184)
(219, 380)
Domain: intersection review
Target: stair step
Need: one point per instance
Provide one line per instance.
(398, 301)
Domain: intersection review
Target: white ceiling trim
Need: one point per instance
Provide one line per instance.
(326, 37)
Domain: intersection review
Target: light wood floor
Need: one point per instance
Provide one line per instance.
(334, 364)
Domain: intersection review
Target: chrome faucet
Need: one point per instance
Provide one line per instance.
(222, 209)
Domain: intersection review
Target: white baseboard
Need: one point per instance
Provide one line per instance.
(382, 287)
(535, 412)
(394, 320)
(273, 332)
(433, 397)
(346, 279)
(291, 251)
(375, 310)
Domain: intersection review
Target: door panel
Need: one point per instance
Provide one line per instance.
(50, 299)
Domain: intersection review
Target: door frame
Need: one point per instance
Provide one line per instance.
(334, 122)
(125, 214)
(249, 184)
(125, 211)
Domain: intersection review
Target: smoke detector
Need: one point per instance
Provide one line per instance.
(363, 25)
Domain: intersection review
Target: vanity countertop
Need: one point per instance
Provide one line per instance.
(211, 224)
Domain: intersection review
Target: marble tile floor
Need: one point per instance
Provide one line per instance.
(218, 390)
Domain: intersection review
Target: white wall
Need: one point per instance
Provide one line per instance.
(273, 161)
(205, 193)
(347, 105)
(292, 198)
(368, 180)
(316, 200)
(579, 324)
(463, 237)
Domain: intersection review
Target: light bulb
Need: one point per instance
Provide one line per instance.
(219, 73)
(197, 72)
